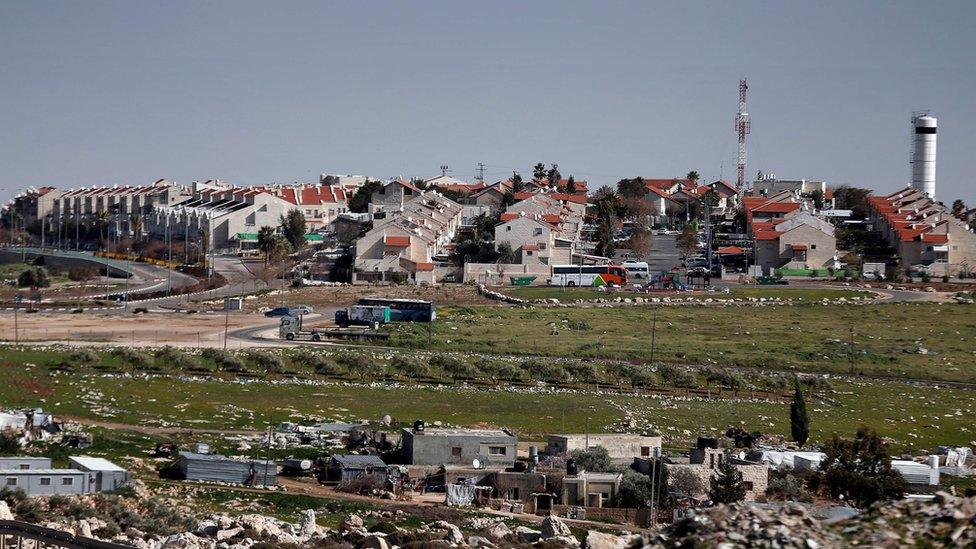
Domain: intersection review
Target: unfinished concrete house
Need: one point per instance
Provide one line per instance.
(622, 447)
(422, 446)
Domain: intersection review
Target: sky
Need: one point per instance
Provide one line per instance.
(128, 92)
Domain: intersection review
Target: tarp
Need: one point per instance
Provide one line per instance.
(460, 495)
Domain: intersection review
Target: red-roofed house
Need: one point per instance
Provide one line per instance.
(924, 232)
(799, 241)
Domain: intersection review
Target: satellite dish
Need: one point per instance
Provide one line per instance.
(476, 463)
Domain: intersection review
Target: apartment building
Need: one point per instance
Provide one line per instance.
(542, 228)
(320, 204)
(924, 232)
(407, 240)
(125, 208)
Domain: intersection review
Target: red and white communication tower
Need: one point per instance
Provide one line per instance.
(742, 127)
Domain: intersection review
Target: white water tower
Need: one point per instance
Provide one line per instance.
(923, 152)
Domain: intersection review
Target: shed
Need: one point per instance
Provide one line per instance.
(346, 468)
(45, 482)
(24, 463)
(107, 476)
(218, 468)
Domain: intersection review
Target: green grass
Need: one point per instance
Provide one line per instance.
(10, 271)
(808, 338)
(566, 294)
(918, 417)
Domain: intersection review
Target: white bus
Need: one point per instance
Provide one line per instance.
(588, 275)
(637, 270)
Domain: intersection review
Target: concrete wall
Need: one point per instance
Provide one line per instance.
(431, 448)
(500, 272)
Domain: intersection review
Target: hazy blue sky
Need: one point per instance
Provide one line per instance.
(254, 92)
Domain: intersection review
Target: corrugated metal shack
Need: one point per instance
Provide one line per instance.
(24, 463)
(347, 468)
(218, 468)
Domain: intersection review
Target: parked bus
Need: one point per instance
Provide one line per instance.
(588, 275)
(637, 270)
(403, 310)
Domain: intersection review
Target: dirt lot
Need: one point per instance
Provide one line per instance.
(177, 329)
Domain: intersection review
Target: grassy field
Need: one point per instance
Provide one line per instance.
(567, 294)
(900, 341)
(913, 416)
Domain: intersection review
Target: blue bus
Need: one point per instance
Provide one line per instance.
(403, 310)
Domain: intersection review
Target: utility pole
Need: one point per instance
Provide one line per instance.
(481, 172)
(850, 350)
(653, 479)
(267, 458)
(226, 322)
(660, 471)
(653, 331)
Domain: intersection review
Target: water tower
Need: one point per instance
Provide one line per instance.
(923, 152)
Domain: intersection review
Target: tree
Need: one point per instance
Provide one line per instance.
(571, 185)
(360, 201)
(727, 486)
(517, 184)
(854, 199)
(505, 254)
(687, 241)
(958, 207)
(266, 236)
(693, 177)
(632, 188)
(637, 490)
(539, 172)
(595, 460)
(818, 199)
(293, 229)
(553, 176)
(686, 483)
(859, 470)
(799, 419)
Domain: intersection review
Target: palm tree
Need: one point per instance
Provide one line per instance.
(101, 224)
(266, 241)
(135, 224)
(693, 177)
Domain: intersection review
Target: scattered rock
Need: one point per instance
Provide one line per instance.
(552, 527)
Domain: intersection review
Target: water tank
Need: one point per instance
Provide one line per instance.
(418, 426)
(571, 468)
(923, 153)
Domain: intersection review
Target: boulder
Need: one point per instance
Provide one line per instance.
(527, 534)
(375, 541)
(599, 540)
(552, 527)
(229, 533)
(186, 540)
(497, 531)
(207, 528)
(307, 526)
(478, 541)
(352, 522)
(5, 513)
(83, 529)
(454, 535)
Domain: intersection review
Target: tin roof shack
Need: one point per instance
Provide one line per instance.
(105, 476)
(36, 476)
(622, 447)
(586, 489)
(218, 468)
(916, 473)
(348, 468)
(514, 485)
(24, 463)
(422, 446)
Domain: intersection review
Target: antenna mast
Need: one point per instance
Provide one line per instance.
(444, 169)
(481, 172)
(742, 127)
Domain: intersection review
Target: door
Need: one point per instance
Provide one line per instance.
(456, 454)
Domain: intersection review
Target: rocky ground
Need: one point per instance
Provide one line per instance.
(947, 521)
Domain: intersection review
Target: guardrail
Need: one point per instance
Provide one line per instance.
(12, 532)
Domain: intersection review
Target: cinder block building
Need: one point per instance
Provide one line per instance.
(622, 447)
(422, 446)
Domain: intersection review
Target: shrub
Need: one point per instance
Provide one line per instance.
(79, 358)
(583, 372)
(360, 365)
(452, 366)
(641, 377)
(175, 359)
(725, 378)
(31, 510)
(34, 277)
(267, 362)
(788, 488)
(676, 376)
(134, 358)
(9, 445)
(541, 370)
(224, 360)
(596, 460)
(411, 366)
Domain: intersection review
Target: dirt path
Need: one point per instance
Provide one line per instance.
(149, 430)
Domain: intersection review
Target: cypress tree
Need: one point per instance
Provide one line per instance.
(799, 420)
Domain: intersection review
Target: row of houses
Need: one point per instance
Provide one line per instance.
(36, 476)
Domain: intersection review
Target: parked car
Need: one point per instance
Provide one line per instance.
(289, 311)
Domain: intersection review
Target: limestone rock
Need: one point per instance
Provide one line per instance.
(552, 527)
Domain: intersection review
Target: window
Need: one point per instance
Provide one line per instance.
(11, 482)
(496, 450)
(747, 484)
(528, 253)
(24, 466)
(813, 246)
(538, 231)
(508, 228)
(456, 453)
(45, 481)
(67, 481)
(645, 451)
(513, 493)
(542, 245)
(711, 461)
